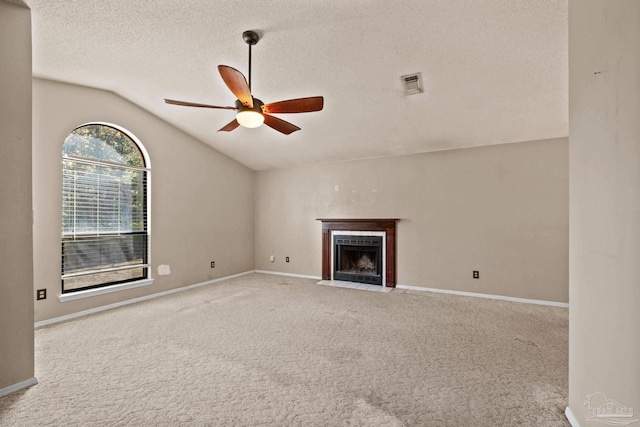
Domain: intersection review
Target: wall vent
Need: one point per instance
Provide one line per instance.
(412, 84)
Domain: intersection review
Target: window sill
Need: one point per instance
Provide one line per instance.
(106, 290)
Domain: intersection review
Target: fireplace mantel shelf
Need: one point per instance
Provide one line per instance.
(388, 225)
(356, 219)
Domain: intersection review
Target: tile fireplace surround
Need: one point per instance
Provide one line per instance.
(387, 225)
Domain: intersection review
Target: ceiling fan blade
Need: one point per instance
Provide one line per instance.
(299, 105)
(236, 82)
(195, 104)
(279, 124)
(230, 126)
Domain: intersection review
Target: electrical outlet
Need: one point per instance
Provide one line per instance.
(272, 258)
(476, 274)
(213, 264)
(287, 259)
(41, 294)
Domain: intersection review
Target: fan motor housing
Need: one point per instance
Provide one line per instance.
(257, 105)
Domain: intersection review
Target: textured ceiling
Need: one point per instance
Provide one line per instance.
(494, 71)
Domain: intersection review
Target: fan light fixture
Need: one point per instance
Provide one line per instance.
(250, 119)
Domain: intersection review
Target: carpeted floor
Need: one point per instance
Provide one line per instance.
(263, 350)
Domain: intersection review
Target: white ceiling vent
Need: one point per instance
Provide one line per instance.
(412, 84)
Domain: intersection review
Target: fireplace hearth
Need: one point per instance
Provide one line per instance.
(358, 259)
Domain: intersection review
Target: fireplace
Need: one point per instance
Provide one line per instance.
(358, 259)
(355, 228)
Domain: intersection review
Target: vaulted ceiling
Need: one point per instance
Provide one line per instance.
(494, 71)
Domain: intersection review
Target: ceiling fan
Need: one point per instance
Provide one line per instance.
(251, 111)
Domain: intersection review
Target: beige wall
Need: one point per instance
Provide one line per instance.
(16, 259)
(201, 201)
(502, 210)
(604, 115)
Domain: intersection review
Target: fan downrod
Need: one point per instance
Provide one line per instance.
(250, 37)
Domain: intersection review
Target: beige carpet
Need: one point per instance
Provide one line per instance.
(264, 350)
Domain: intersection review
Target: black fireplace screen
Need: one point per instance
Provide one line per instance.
(358, 259)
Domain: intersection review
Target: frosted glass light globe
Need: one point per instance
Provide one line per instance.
(250, 119)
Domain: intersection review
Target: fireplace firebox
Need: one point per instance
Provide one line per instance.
(358, 259)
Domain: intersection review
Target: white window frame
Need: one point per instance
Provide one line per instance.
(85, 293)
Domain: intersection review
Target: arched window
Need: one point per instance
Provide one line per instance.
(104, 208)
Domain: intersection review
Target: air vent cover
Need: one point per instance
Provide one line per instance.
(412, 84)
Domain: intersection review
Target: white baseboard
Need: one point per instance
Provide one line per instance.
(489, 296)
(572, 419)
(277, 273)
(302, 276)
(19, 386)
(133, 301)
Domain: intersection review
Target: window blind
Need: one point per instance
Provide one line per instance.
(104, 223)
